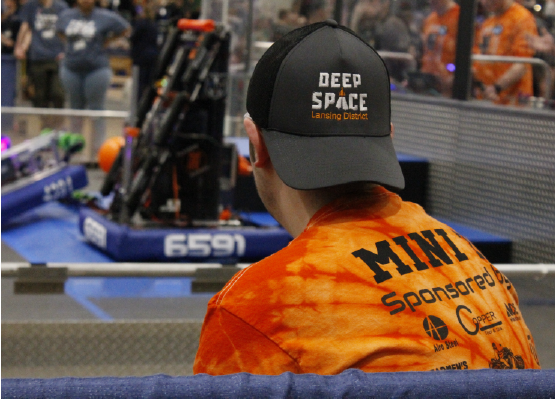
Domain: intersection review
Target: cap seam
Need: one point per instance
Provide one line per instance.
(382, 64)
(338, 45)
(284, 61)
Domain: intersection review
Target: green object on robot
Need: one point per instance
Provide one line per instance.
(46, 130)
(63, 141)
(67, 140)
(71, 141)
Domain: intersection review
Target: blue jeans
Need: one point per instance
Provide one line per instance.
(87, 90)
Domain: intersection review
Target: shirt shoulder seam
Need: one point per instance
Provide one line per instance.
(263, 334)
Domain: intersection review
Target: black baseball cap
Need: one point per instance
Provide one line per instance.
(321, 97)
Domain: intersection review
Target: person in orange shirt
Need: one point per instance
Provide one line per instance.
(439, 35)
(369, 281)
(505, 33)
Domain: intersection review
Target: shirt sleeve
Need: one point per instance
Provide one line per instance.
(230, 345)
(60, 22)
(118, 23)
(527, 26)
(25, 13)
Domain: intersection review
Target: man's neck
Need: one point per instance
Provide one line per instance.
(296, 208)
(299, 206)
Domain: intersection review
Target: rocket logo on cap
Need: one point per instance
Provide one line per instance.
(332, 103)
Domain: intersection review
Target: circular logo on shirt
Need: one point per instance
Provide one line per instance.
(435, 328)
(497, 29)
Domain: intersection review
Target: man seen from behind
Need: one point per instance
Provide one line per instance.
(369, 281)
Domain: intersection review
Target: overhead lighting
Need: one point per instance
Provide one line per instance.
(537, 8)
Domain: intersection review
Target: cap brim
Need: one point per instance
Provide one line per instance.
(306, 163)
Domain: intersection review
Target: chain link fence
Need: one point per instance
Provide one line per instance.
(491, 167)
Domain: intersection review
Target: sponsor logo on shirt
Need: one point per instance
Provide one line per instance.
(446, 345)
(505, 359)
(455, 366)
(427, 242)
(45, 21)
(487, 322)
(512, 312)
(434, 294)
(81, 28)
(497, 29)
(533, 349)
(435, 328)
(45, 25)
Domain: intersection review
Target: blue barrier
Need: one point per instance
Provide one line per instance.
(349, 384)
(224, 245)
(56, 186)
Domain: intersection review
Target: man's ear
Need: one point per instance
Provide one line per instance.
(392, 130)
(257, 141)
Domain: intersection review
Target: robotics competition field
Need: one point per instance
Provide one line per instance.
(173, 188)
(99, 264)
(88, 236)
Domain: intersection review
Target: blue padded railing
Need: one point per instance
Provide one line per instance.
(352, 383)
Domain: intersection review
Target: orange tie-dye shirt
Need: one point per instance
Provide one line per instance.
(372, 283)
(440, 42)
(505, 34)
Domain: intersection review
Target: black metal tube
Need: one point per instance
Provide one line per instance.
(250, 26)
(465, 42)
(338, 11)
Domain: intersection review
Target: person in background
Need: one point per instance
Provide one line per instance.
(369, 281)
(544, 47)
(374, 21)
(311, 10)
(37, 42)
(86, 74)
(144, 43)
(544, 43)
(537, 8)
(439, 35)
(414, 21)
(287, 21)
(10, 25)
(168, 12)
(504, 33)
(125, 8)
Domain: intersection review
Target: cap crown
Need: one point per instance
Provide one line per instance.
(321, 80)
